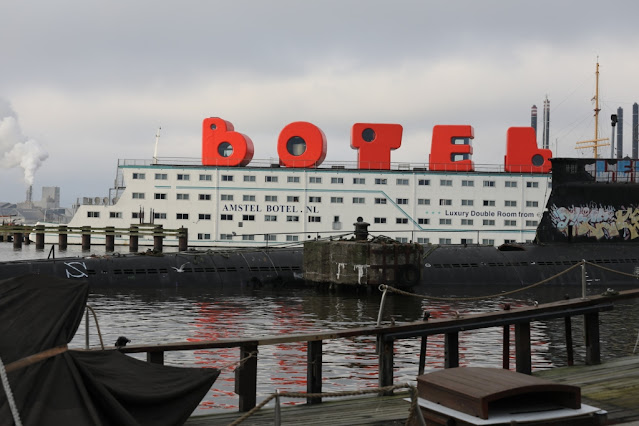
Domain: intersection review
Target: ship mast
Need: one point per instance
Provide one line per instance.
(157, 141)
(595, 143)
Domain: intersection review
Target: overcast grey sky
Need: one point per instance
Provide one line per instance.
(84, 83)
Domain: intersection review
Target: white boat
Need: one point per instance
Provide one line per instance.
(229, 199)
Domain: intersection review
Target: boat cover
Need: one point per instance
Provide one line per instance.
(38, 313)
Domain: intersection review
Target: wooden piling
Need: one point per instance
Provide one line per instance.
(39, 231)
(62, 237)
(109, 241)
(183, 239)
(17, 240)
(158, 238)
(314, 370)
(133, 238)
(86, 238)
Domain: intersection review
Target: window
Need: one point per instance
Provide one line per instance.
(532, 184)
(270, 198)
(488, 242)
(489, 184)
(314, 179)
(159, 196)
(359, 181)
(532, 203)
(401, 181)
(138, 195)
(466, 240)
(314, 199)
(511, 184)
(207, 178)
(509, 241)
(248, 237)
(292, 238)
(423, 182)
(204, 197)
(401, 220)
(509, 222)
(226, 217)
(488, 222)
(182, 216)
(159, 215)
(248, 197)
(446, 182)
(445, 241)
(315, 219)
(445, 202)
(226, 236)
(270, 218)
(380, 220)
(402, 201)
(292, 218)
(422, 240)
(337, 200)
(226, 197)
(270, 179)
(293, 179)
(182, 196)
(380, 200)
(203, 236)
(445, 221)
(510, 203)
(248, 217)
(423, 221)
(204, 216)
(467, 222)
(115, 215)
(135, 215)
(423, 202)
(489, 203)
(337, 180)
(139, 176)
(93, 214)
(161, 176)
(532, 223)
(401, 239)
(468, 183)
(292, 199)
(467, 202)
(270, 237)
(358, 200)
(248, 178)
(227, 178)
(181, 176)
(379, 181)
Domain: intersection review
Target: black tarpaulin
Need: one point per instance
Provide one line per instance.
(38, 313)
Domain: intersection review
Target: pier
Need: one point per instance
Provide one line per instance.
(518, 319)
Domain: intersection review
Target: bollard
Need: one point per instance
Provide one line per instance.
(110, 238)
(86, 238)
(62, 237)
(133, 238)
(39, 231)
(158, 237)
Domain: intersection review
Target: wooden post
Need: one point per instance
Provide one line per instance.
(593, 350)
(155, 357)
(62, 237)
(505, 349)
(17, 240)
(314, 370)
(385, 350)
(133, 239)
(86, 238)
(422, 355)
(39, 231)
(569, 351)
(451, 350)
(183, 239)
(246, 377)
(158, 236)
(522, 348)
(109, 241)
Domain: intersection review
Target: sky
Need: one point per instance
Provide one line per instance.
(84, 83)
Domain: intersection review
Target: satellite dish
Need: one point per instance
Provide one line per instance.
(96, 200)
(114, 200)
(105, 201)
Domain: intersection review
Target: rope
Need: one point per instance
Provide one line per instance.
(97, 325)
(412, 389)
(612, 270)
(489, 296)
(240, 362)
(9, 393)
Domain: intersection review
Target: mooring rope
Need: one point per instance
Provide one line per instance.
(240, 362)
(412, 389)
(7, 390)
(611, 270)
(97, 325)
(383, 287)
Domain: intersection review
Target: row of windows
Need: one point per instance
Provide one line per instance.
(335, 200)
(267, 237)
(336, 180)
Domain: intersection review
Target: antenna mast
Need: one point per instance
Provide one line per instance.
(595, 142)
(155, 151)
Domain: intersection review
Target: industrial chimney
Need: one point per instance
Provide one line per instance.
(635, 128)
(533, 118)
(29, 194)
(619, 144)
(546, 136)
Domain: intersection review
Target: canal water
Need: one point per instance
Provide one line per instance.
(152, 316)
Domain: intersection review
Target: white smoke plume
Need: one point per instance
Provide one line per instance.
(16, 149)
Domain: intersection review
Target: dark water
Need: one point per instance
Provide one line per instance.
(159, 316)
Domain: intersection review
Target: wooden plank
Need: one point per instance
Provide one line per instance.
(314, 370)
(522, 348)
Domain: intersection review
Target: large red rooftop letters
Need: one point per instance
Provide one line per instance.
(302, 145)
(374, 143)
(522, 153)
(449, 142)
(222, 146)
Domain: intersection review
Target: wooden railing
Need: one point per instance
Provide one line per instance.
(521, 318)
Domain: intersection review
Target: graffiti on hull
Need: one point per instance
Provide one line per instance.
(596, 221)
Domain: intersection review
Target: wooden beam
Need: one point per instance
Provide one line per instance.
(385, 350)
(522, 348)
(314, 370)
(246, 377)
(593, 349)
(451, 350)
